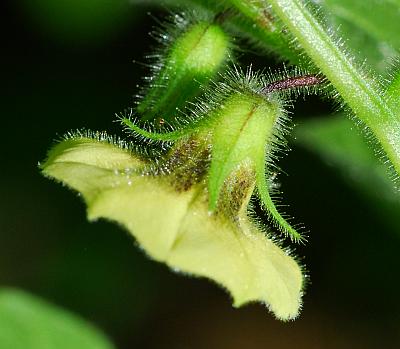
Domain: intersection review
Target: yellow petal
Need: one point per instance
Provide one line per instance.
(176, 228)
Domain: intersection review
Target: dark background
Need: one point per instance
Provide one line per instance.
(69, 70)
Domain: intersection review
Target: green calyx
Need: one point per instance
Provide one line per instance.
(247, 128)
(195, 57)
(242, 129)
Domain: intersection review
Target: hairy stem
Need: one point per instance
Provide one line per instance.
(361, 93)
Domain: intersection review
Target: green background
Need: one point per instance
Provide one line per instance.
(65, 71)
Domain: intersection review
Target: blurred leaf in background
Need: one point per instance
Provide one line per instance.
(369, 28)
(338, 142)
(86, 22)
(27, 322)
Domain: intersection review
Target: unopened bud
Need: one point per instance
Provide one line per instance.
(194, 58)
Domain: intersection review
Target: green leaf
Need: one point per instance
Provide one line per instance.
(337, 142)
(79, 22)
(370, 27)
(27, 322)
(174, 226)
(380, 19)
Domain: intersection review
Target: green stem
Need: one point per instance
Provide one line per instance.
(360, 92)
(256, 22)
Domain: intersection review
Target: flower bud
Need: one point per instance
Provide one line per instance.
(244, 127)
(164, 205)
(193, 58)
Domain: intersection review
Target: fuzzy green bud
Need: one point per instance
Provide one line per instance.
(194, 58)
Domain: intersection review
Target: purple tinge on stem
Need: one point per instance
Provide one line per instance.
(292, 82)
